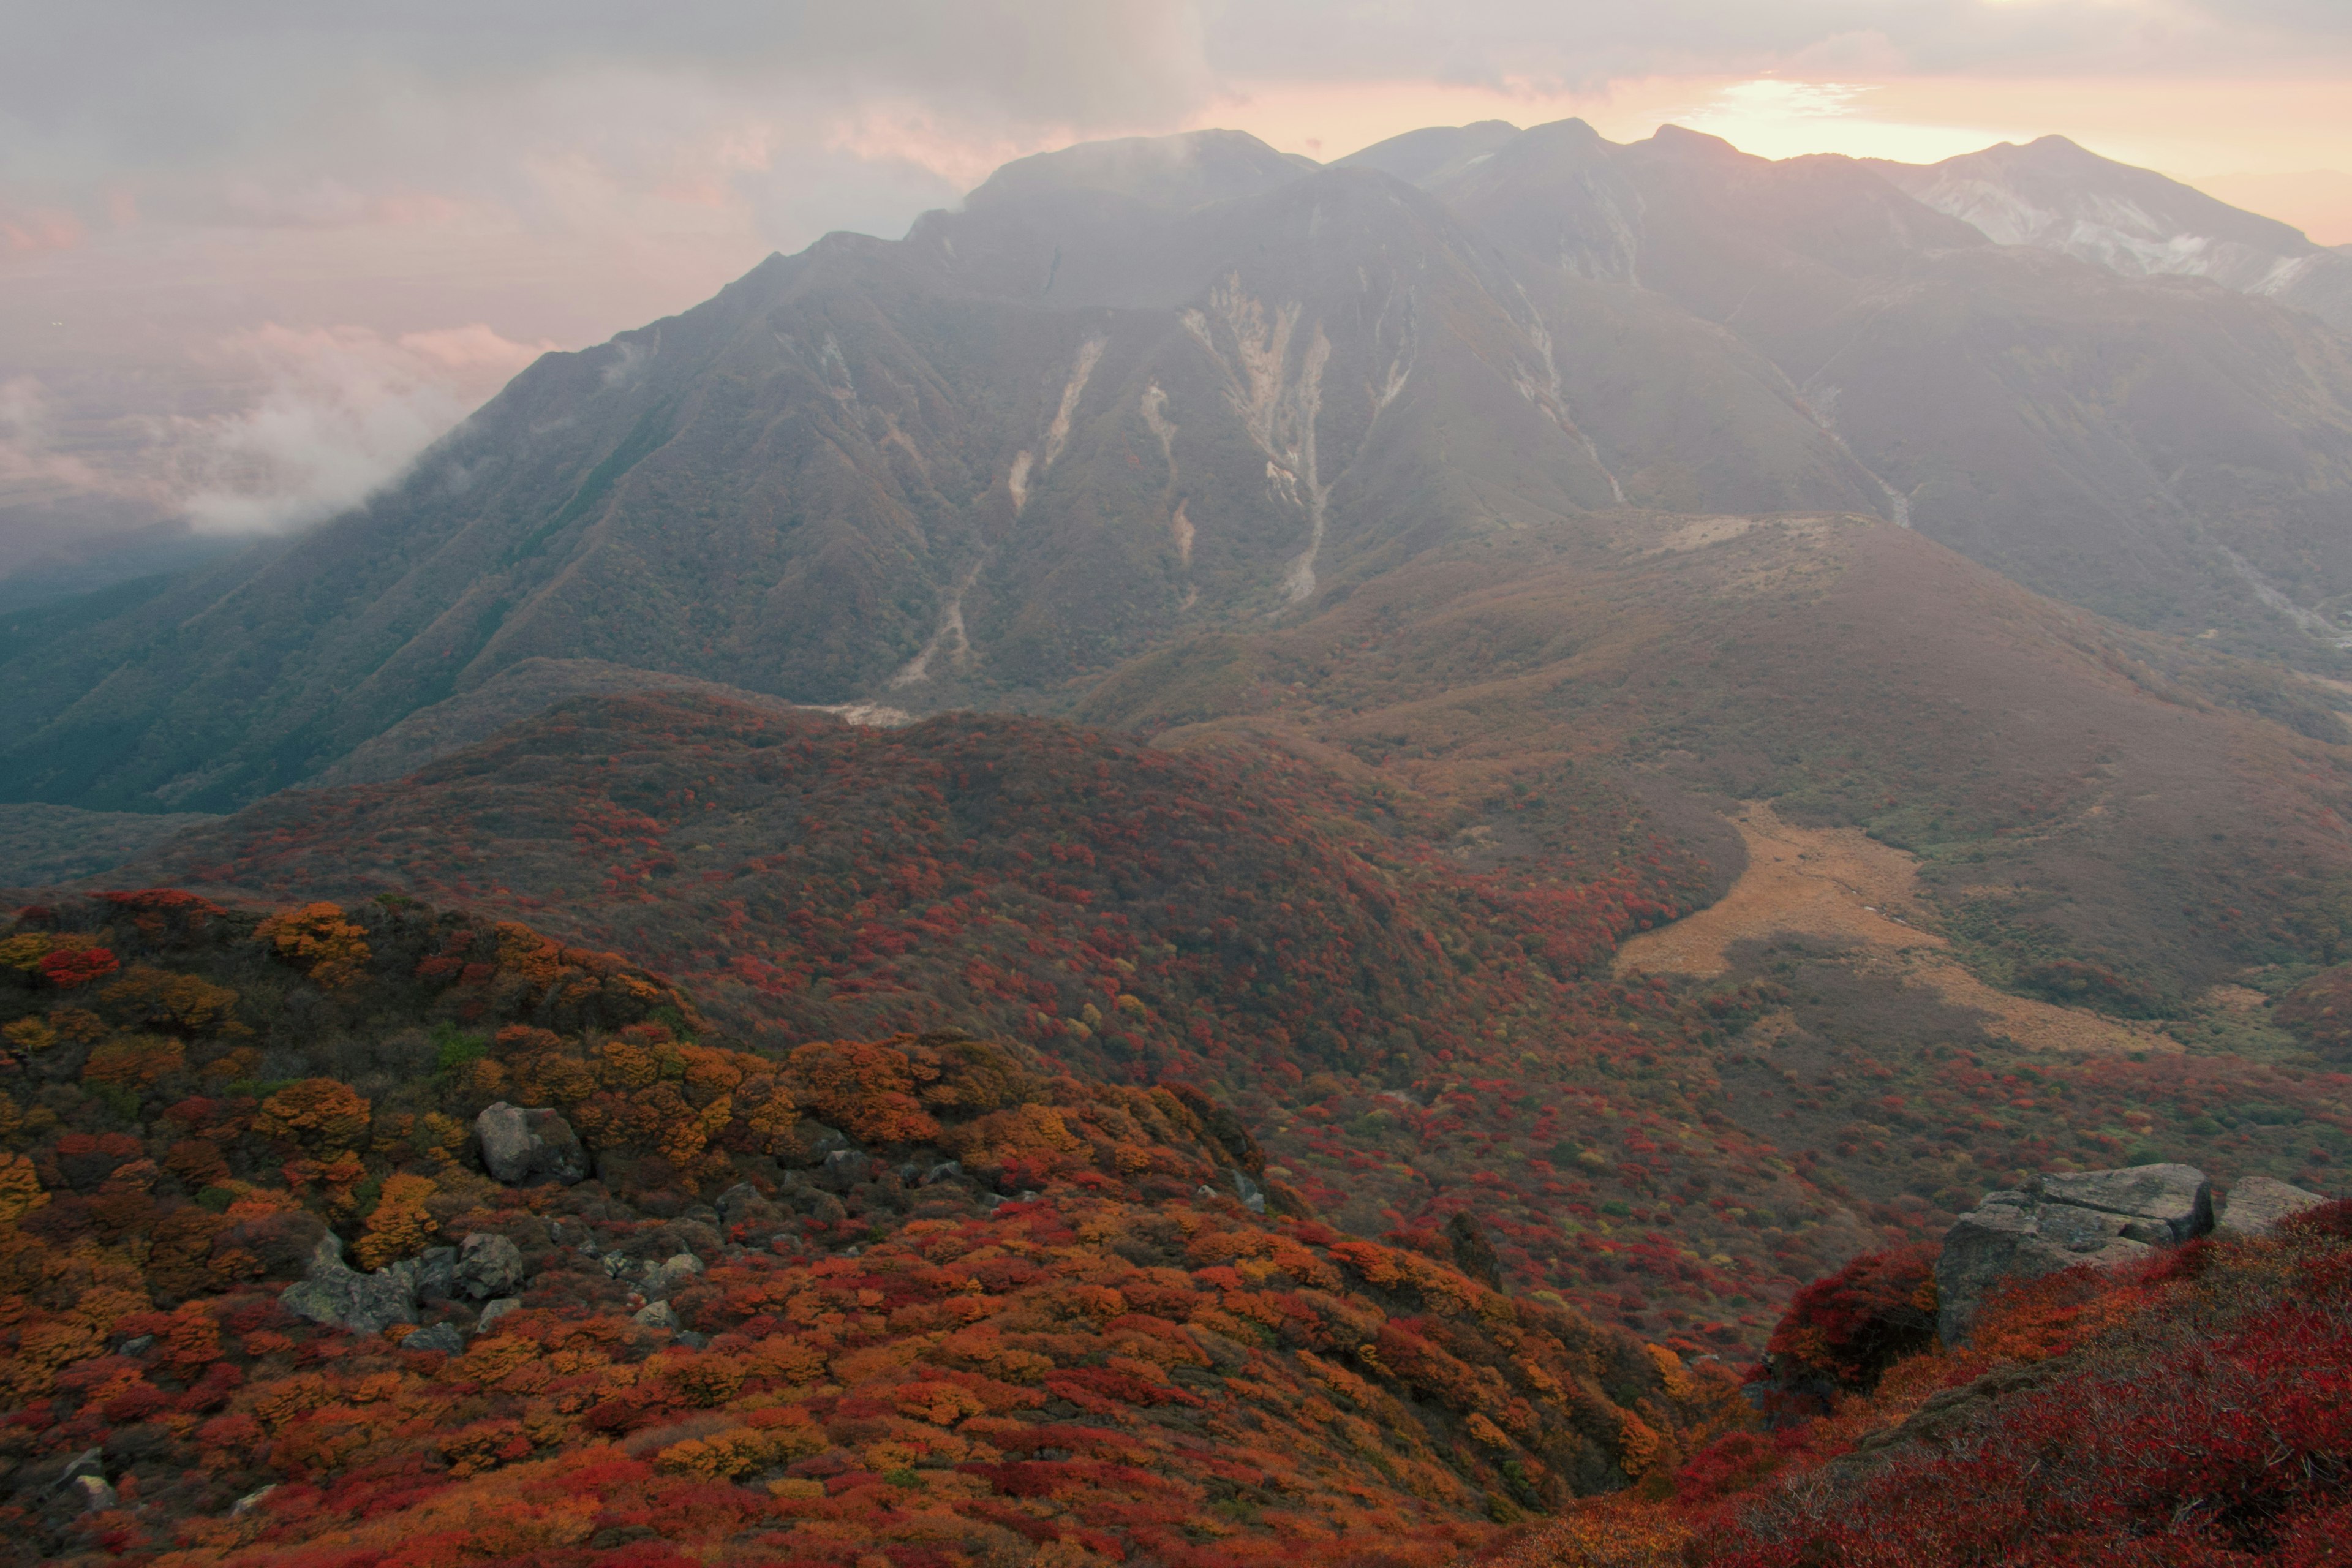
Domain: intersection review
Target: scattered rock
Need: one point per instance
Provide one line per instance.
(493, 1311)
(746, 1213)
(845, 1168)
(97, 1496)
(489, 1265)
(436, 1274)
(945, 1171)
(443, 1337)
(2064, 1221)
(665, 1275)
(522, 1145)
(658, 1315)
(88, 1462)
(251, 1501)
(334, 1293)
(816, 1141)
(2255, 1206)
(1252, 1196)
(139, 1344)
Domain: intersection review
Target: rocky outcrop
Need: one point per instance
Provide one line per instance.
(2064, 1221)
(2257, 1204)
(489, 1265)
(529, 1144)
(334, 1293)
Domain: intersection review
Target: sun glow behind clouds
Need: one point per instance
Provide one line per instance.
(1766, 116)
(2189, 129)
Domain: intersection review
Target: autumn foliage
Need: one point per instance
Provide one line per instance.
(931, 1299)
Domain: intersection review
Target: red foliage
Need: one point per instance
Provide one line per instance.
(67, 967)
(1845, 1330)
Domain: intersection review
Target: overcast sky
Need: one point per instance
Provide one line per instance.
(253, 254)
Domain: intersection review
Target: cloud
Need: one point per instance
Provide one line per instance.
(346, 410)
(30, 462)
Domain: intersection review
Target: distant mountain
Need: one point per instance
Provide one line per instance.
(1186, 431)
(2056, 196)
(2174, 457)
(1034, 437)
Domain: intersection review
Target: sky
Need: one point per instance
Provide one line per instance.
(255, 254)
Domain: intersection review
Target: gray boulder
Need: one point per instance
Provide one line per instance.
(332, 1292)
(746, 1213)
(845, 1168)
(666, 1277)
(436, 1274)
(443, 1337)
(2257, 1204)
(489, 1265)
(524, 1143)
(493, 1311)
(658, 1315)
(2164, 1204)
(2102, 1218)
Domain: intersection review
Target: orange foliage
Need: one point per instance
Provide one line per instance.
(322, 1114)
(317, 939)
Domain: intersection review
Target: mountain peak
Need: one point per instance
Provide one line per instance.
(1434, 151)
(1682, 140)
(1181, 171)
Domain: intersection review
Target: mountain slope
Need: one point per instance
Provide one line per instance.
(2056, 196)
(2170, 455)
(276, 1298)
(1036, 436)
(1405, 989)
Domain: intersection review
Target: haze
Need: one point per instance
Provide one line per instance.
(251, 264)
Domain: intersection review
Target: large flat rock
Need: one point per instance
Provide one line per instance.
(2098, 1218)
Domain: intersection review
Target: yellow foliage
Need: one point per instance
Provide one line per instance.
(561, 1079)
(332, 950)
(1639, 1447)
(181, 999)
(400, 1227)
(134, 1061)
(527, 953)
(25, 951)
(866, 1089)
(628, 1064)
(1022, 1130)
(710, 1071)
(791, 1359)
(77, 1025)
(739, 1450)
(319, 1113)
(940, 1403)
(31, 1034)
(20, 1188)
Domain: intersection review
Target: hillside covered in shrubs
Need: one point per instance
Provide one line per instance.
(1407, 1002)
(267, 1302)
(2188, 1411)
